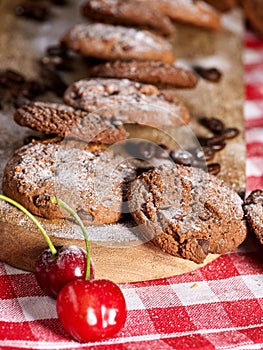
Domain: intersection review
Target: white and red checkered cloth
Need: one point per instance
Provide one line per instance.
(219, 306)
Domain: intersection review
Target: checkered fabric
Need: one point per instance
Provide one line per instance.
(219, 306)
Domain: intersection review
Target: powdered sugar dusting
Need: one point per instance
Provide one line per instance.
(140, 40)
(91, 184)
(128, 101)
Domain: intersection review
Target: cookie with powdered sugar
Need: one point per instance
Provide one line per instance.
(194, 12)
(93, 184)
(187, 212)
(109, 42)
(128, 13)
(149, 72)
(128, 101)
(64, 121)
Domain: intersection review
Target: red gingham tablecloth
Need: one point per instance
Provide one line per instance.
(219, 306)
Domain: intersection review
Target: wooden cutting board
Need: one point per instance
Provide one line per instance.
(117, 253)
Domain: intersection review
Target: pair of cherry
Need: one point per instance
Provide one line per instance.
(88, 309)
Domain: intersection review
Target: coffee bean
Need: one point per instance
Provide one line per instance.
(20, 101)
(52, 61)
(210, 74)
(182, 157)
(53, 81)
(57, 50)
(146, 150)
(38, 11)
(30, 138)
(58, 57)
(215, 140)
(213, 124)
(203, 154)
(143, 150)
(213, 168)
(30, 89)
(230, 133)
(218, 146)
(11, 77)
(162, 152)
(255, 197)
(202, 140)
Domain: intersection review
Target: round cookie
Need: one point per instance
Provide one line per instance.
(128, 101)
(109, 42)
(64, 121)
(150, 72)
(128, 13)
(194, 12)
(253, 209)
(253, 10)
(187, 212)
(93, 184)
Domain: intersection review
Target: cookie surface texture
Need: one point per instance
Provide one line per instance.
(187, 212)
(150, 72)
(128, 13)
(65, 121)
(109, 42)
(128, 101)
(253, 209)
(94, 185)
(194, 12)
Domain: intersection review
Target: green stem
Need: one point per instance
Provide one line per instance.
(35, 221)
(63, 205)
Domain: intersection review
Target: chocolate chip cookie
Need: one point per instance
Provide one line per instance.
(109, 42)
(253, 209)
(65, 121)
(128, 101)
(128, 13)
(150, 72)
(93, 184)
(187, 212)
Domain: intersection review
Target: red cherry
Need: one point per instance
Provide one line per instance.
(54, 271)
(91, 310)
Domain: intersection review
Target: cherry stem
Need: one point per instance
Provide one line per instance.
(63, 205)
(35, 221)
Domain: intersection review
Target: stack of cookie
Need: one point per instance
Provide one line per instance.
(117, 35)
(180, 208)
